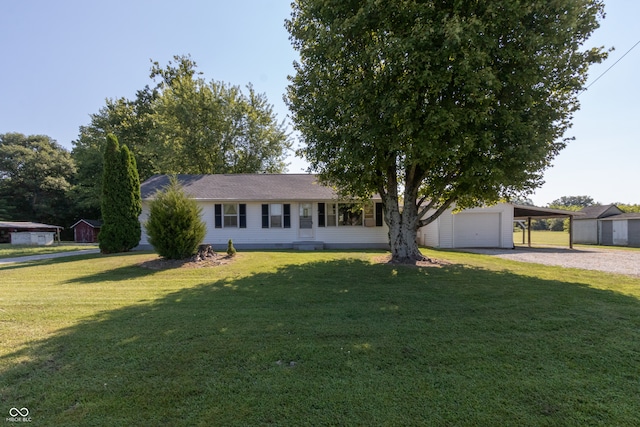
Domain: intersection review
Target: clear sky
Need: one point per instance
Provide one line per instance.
(61, 59)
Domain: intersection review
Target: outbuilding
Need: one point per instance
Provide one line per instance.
(28, 233)
(587, 228)
(86, 230)
(620, 230)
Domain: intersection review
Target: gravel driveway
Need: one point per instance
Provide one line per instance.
(602, 259)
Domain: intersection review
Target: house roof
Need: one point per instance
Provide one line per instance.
(95, 223)
(24, 225)
(628, 215)
(599, 211)
(243, 187)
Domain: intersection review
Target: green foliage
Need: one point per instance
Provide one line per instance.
(120, 202)
(174, 226)
(448, 102)
(184, 124)
(624, 207)
(231, 251)
(35, 179)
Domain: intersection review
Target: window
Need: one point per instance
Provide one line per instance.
(276, 215)
(349, 215)
(230, 215)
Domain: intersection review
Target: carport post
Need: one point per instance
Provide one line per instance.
(570, 231)
(529, 230)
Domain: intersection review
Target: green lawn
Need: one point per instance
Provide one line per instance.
(543, 238)
(318, 338)
(8, 250)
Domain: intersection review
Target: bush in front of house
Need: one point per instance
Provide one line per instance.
(231, 251)
(174, 226)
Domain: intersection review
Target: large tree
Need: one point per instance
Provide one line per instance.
(184, 124)
(35, 178)
(436, 103)
(121, 201)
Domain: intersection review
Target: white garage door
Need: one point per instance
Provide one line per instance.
(476, 230)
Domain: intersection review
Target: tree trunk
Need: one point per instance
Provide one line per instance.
(402, 231)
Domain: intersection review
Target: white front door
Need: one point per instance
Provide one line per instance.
(305, 231)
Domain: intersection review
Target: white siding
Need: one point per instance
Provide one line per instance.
(442, 232)
(585, 231)
(255, 235)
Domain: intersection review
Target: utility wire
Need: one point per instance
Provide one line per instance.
(612, 65)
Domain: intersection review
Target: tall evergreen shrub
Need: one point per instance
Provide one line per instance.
(174, 227)
(121, 203)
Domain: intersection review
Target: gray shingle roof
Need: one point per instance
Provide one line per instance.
(599, 211)
(244, 187)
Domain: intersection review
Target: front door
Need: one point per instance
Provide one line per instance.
(305, 231)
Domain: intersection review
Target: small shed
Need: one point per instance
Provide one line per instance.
(28, 233)
(86, 230)
(620, 230)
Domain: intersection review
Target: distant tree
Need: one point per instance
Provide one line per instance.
(624, 207)
(35, 178)
(573, 201)
(183, 124)
(436, 103)
(121, 201)
(174, 227)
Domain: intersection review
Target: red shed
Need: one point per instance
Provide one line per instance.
(86, 230)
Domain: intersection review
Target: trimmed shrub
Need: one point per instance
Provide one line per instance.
(174, 226)
(231, 251)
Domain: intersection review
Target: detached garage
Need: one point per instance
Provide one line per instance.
(486, 227)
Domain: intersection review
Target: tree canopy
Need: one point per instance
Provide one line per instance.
(184, 124)
(436, 103)
(35, 178)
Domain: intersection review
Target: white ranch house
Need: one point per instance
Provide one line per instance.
(293, 211)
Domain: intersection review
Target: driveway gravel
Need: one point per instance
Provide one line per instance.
(603, 259)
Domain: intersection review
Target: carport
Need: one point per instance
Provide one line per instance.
(527, 213)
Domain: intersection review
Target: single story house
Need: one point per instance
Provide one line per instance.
(294, 211)
(274, 211)
(86, 230)
(28, 233)
(587, 228)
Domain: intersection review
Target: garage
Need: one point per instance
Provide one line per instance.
(477, 230)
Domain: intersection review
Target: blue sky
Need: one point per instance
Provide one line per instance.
(61, 59)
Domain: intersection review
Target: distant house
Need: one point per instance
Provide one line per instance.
(28, 233)
(86, 230)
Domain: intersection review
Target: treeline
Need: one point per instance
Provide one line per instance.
(179, 123)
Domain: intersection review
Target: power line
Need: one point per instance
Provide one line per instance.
(612, 65)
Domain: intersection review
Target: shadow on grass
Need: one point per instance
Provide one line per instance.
(342, 343)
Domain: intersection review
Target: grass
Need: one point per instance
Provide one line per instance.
(8, 250)
(543, 238)
(318, 338)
